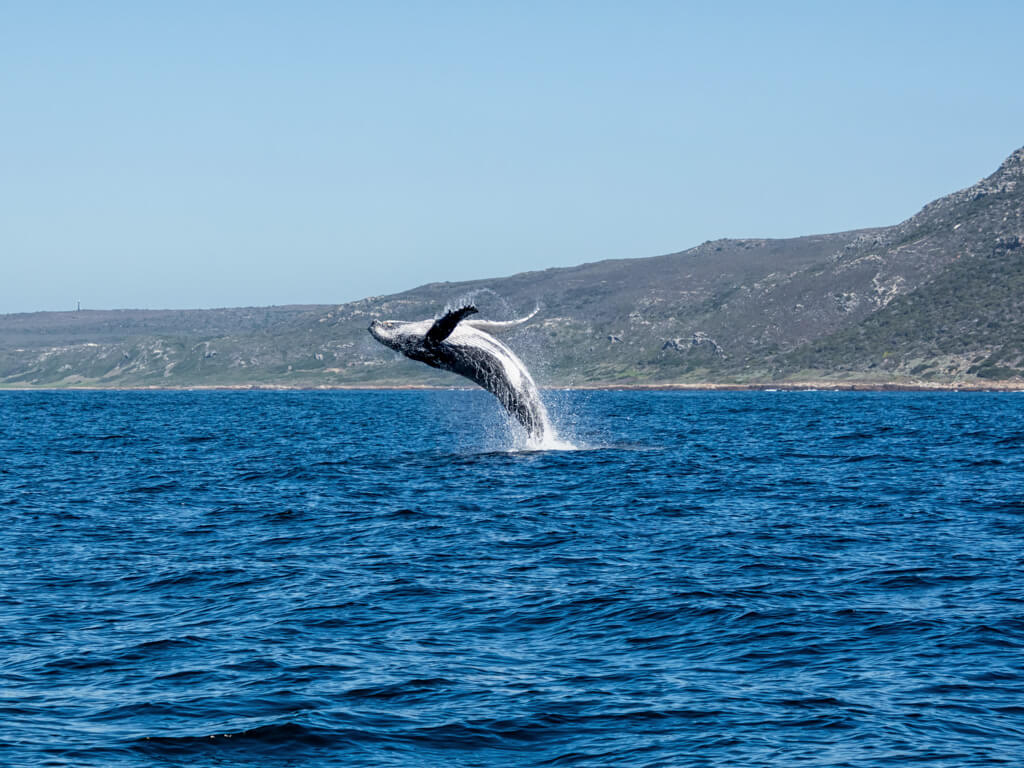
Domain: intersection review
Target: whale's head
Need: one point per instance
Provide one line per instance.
(398, 335)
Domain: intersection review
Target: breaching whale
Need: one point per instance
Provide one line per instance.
(466, 347)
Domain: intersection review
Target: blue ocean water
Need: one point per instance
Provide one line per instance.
(375, 579)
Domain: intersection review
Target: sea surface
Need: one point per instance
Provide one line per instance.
(383, 579)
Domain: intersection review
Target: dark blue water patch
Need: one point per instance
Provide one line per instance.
(714, 579)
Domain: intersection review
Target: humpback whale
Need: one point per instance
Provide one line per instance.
(466, 347)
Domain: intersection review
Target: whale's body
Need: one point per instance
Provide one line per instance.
(465, 347)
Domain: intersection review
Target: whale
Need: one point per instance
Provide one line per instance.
(456, 343)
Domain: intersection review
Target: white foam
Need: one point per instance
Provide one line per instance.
(550, 442)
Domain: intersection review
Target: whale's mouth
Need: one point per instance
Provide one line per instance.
(383, 331)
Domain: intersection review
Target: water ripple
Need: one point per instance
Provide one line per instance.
(379, 579)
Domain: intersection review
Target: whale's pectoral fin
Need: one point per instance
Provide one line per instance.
(443, 327)
(500, 326)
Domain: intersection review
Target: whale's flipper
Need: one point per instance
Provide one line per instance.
(497, 326)
(443, 327)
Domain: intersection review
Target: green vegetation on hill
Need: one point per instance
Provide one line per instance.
(968, 320)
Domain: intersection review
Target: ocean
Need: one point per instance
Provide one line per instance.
(384, 579)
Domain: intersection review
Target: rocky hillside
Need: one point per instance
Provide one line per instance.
(935, 299)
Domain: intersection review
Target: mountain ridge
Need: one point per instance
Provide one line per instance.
(930, 301)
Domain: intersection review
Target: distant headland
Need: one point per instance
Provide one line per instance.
(934, 302)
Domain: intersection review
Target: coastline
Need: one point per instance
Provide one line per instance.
(797, 386)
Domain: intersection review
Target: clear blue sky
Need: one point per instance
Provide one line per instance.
(226, 154)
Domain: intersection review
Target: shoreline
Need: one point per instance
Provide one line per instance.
(800, 386)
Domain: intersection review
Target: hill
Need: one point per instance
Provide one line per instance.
(933, 300)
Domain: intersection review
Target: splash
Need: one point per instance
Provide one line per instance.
(550, 442)
(544, 438)
(548, 437)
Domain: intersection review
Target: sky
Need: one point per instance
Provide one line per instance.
(196, 154)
